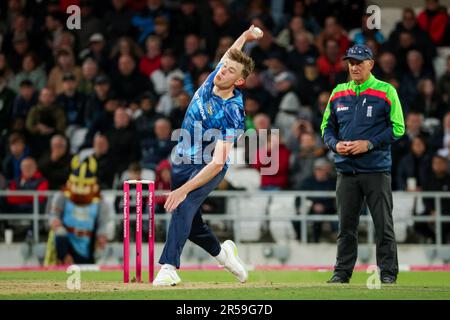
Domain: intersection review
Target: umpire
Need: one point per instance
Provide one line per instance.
(363, 117)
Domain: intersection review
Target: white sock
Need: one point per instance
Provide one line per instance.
(221, 257)
(168, 267)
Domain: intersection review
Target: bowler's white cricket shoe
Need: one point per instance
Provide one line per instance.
(166, 277)
(233, 263)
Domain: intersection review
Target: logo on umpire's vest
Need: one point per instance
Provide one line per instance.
(341, 107)
(369, 111)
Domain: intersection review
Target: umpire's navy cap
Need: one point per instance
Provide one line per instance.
(359, 52)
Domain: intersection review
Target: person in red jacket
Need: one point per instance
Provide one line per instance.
(281, 178)
(30, 179)
(434, 20)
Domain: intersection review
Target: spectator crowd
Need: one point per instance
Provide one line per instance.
(121, 84)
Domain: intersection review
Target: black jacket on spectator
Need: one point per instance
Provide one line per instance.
(145, 123)
(20, 106)
(56, 172)
(6, 101)
(131, 86)
(73, 107)
(411, 166)
(124, 146)
(105, 171)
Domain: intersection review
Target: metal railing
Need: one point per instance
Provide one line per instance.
(303, 217)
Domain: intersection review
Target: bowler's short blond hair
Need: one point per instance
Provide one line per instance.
(245, 60)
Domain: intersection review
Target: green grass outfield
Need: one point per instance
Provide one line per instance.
(220, 285)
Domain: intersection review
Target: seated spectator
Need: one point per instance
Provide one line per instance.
(124, 46)
(71, 100)
(252, 108)
(311, 82)
(264, 47)
(302, 161)
(318, 108)
(55, 164)
(428, 102)
(20, 47)
(18, 150)
(30, 180)
(278, 154)
(167, 102)
(434, 20)
(162, 183)
(199, 65)
(439, 180)
(117, 20)
(367, 33)
(416, 72)
(105, 163)
(387, 66)
(80, 219)
(96, 51)
(253, 87)
(152, 59)
(286, 37)
(444, 83)
(422, 40)
(224, 44)
(302, 51)
(181, 105)
(321, 180)
(414, 166)
(6, 101)
(45, 119)
(332, 31)
(157, 149)
(192, 44)
(30, 71)
(146, 121)
(103, 122)
(95, 103)
(161, 77)
(128, 83)
(123, 140)
(89, 71)
(25, 100)
(65, 63)
(330, 63)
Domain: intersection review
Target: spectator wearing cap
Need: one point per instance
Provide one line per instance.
(55, 163)
(97, 51)
(303, 50)
(168, 69)
(72, 101)
(6, 101)
(311, 82)
(95, 102)
(151, 61)
(146, 121)
(30, 71)
(65, 63)
(330, 62)
(117, 20)
(89, 71)
(434, 20)
(27, 97)
(127, 82)
(167, 102)
(321, 180)
(362, 119)
(91, 24)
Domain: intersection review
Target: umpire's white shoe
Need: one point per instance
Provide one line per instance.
(233, 263)
(166, 277)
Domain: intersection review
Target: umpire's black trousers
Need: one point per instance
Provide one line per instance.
(351, 190)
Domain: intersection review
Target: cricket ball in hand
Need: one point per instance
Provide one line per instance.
(257, 32)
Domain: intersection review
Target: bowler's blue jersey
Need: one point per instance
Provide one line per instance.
(208, 118)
